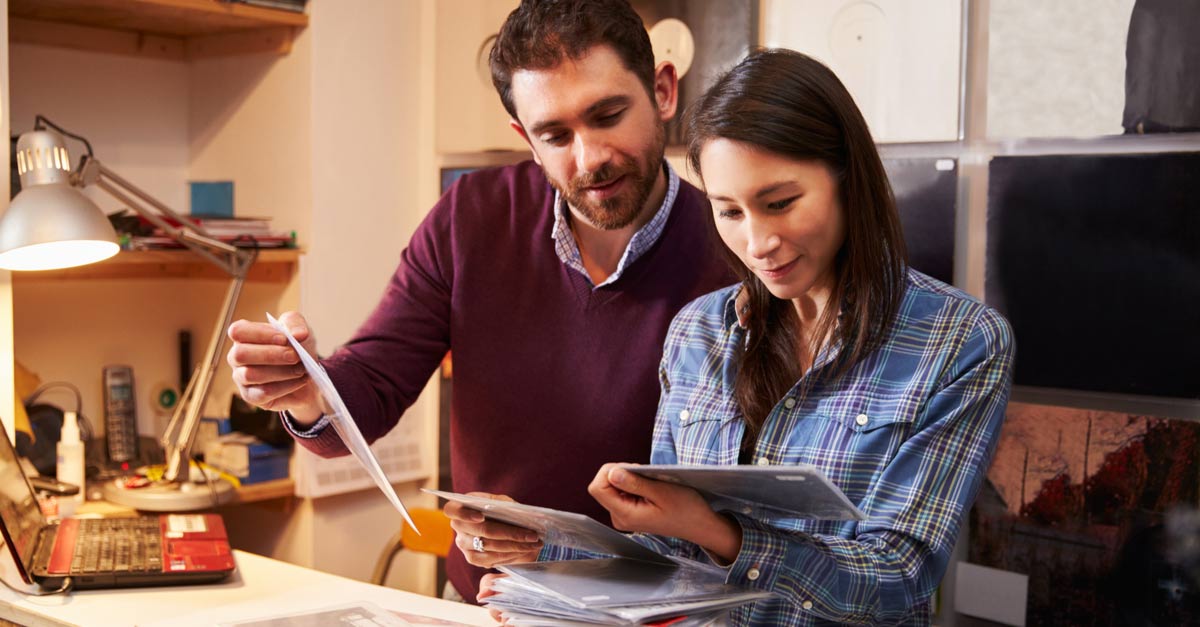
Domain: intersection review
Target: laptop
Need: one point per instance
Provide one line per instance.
(160, 550)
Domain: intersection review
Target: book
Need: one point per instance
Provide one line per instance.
(142, 234)
(296, 6)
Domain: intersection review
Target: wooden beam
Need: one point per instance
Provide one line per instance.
(272, 266)
(92, 39)
(277, 40)
(176, 18)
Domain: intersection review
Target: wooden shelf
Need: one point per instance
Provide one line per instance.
(265, 491)
(272, 266)
(166, 29)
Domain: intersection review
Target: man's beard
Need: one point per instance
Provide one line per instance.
(623, 209)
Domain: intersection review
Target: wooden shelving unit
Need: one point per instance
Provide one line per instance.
(265, 491)
(272, 266)
(167, 29)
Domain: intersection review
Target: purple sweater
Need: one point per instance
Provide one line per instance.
(551, 378)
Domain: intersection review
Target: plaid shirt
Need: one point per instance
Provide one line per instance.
(568, 249)
(907, 434)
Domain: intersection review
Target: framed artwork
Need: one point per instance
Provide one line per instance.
(900, 59)
(1086, 68)
(1095, 262)
(1099, 511)
(926, 192)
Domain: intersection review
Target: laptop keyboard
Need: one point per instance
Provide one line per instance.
(117, 545)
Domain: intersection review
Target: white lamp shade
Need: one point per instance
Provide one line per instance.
(52, 226)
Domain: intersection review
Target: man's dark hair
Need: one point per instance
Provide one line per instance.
(540, 34)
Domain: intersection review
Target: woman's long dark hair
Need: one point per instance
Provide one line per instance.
(791, 105)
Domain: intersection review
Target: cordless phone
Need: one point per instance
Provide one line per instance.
(120, 414)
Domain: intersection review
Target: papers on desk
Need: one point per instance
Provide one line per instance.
(359, 614)
(344, 424)
(632, 586)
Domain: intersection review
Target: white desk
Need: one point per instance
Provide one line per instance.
(261, 588)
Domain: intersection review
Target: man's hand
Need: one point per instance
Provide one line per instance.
(485, 591)
(501, 543)
(641, 504)
(268, 372)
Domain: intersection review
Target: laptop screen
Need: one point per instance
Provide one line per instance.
(18, 508)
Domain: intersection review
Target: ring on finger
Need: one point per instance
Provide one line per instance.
(477, 544)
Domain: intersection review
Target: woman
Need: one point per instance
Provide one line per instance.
(829, 352)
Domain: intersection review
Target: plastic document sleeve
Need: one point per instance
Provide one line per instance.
(344, 424)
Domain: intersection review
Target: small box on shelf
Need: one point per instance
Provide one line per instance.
(247, 458)
(211, 199)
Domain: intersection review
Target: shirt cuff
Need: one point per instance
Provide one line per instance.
(749, 568)
(311, 433)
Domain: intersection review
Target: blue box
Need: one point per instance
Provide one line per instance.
(267, 463)
(247, 458)
(212, 199)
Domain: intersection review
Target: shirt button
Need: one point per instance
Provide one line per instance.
(763, 461)
(789, 403)
(753, 574)
(683, 415)
(806, 605)
(862, 420)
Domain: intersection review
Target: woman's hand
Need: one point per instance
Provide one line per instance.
(489, 543)
(640, 504)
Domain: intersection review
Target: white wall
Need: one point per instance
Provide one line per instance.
(1056, 69)
(134, 112)
(248, 120)
(374, 179)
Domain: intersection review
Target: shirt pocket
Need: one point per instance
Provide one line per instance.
(703, 416)
(851, 439)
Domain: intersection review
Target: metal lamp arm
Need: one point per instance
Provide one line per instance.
(185, 421)
(181, 430)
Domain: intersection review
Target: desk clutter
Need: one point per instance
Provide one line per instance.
(138, 233)
(69, 460)
(246, 457)
(250, 444)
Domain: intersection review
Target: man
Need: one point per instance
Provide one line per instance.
(553, 281)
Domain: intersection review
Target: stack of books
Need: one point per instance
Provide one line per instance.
(626, 583)
(240, 232)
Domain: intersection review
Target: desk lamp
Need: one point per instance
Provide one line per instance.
(51, 224)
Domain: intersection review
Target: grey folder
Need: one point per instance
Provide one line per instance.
(797, 491)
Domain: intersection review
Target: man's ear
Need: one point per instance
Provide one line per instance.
(516, 126)
(666, 90)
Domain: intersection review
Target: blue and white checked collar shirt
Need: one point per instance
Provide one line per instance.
(568, 249)
(907, 435)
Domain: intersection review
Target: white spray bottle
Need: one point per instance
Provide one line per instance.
(70, 467)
